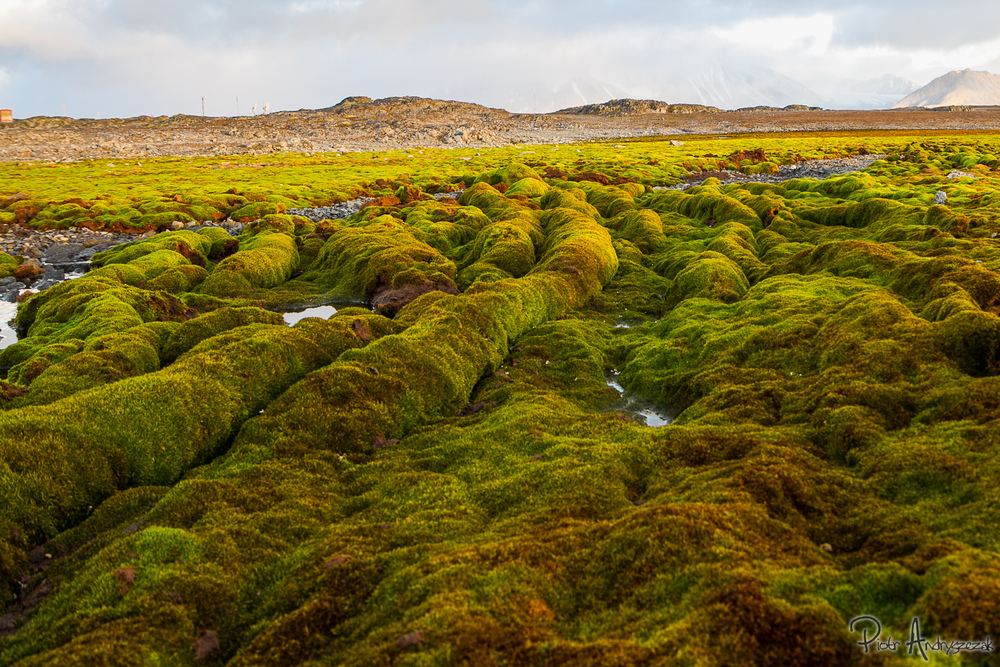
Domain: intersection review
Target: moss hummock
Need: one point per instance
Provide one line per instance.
(456, 467)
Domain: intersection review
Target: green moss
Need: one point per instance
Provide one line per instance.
(274, 222)
(710, 275)
(182, 242)
(529, 187)
(177, 280)
(7, 264)
(379, 257)
(266, 260)
(103, 360)
(192, 332)
(509, 175)
(255, 210)
(460, 484)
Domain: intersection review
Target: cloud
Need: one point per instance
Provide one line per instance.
(153, 56)
(809, 35)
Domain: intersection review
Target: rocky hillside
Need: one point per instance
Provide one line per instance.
(965, 88)
(626, 107)
(363, 124)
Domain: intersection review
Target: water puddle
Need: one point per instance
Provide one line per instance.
(7, 334)
(323, 312)
(653, 418)
(629, 321)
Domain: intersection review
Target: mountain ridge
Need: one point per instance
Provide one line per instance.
(957, 88)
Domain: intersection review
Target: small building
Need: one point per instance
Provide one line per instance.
(6, 116)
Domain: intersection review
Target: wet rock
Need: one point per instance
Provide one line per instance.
(60, 253)
(54, 273)
(388, 302)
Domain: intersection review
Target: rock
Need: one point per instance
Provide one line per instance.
(45, 284)
(54, 273)
(941, 198)
(176, 225)
(29, 271)
(62, 253)
(388, 301)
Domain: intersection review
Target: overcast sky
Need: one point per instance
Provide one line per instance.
(103, 58)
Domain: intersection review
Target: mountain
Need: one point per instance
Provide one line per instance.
(629, 107)
(733, 88)
(888, 84)
(575, 92)
(533, 95)
(965, 88)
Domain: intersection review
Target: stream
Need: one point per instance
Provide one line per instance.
(652, 417)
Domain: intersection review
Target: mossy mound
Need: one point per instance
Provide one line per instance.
(464, 476)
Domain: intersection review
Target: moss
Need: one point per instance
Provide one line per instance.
(177, 280)
(255, 210)
(509, 175)
(266, 260)
(609, 201)
(529, 187)
(25, 372)
(643, 228)
(192, 332)
(710, 275)
(460, 483)
(90, 307)
(103, 360)
(380, 258)
(501, 250)
(7, 264)
(274, 222)
(182, 242)
(147, 429)
(706, 205)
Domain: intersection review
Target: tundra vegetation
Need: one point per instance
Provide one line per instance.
(441, 473)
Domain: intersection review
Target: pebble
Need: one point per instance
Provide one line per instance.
(66, 253)
(346, 209)
(818, 169)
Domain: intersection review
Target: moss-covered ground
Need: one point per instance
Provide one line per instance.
(441, 474)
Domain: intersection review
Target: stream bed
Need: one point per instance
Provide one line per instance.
(654, 418)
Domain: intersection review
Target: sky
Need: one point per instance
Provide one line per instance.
(122, 58)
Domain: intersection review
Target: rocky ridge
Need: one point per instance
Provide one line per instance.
(964, 88)
(363, 124)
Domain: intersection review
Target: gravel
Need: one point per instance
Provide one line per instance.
(818, 169)
(346, 209)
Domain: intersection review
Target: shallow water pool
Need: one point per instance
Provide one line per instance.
(323, 312)
(7, 334)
